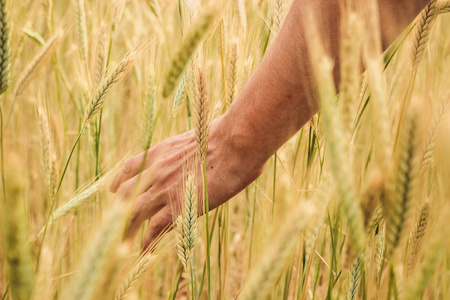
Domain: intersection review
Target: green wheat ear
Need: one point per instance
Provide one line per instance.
(5, 54)
(15, 242)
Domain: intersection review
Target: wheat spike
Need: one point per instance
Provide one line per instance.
(149, 113)
(380, 251)
(433, 254)
(94, 263)
(48, 153)
(16, 252)
(416, 237)
(445, 9)
(104, 89)
(81, 28)
(82, 198)
(376, 219)
(180, 95)
(187, 224)
(371, 197)
(136, 274)
(232, 75)
(430, 143)
(37, 62)
(101, 55)
(355, 278)
(5, 54)
(187, 49)
(119, 7)
(423, 32)
(278, 16)
(202, 116)
(404, 184)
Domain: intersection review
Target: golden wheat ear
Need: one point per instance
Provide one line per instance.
(187, 48)
(5, 55)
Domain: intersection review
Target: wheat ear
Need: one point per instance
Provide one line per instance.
(423, 32)
(430, 143)
(81, 28)
(149, 113)
(105, 87)
(375, 220)
(37, 62)
(232, 75)
(416, 237)
(355, 278)
(16, 252)
(180, 95)
(433, 254)
(187, 48)
(404, 184)
(136, 274)
(202, 116)
(101, 55)
(5, 54)
(187, 224)
(48, 153)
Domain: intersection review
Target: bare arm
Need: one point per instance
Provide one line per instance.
(278, 99)
(275, 103)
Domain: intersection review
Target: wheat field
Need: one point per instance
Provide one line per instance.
(354, 206)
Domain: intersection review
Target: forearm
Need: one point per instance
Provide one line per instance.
(279, 98)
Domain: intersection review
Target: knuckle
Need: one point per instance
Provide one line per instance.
(125, 189)
(129, 166)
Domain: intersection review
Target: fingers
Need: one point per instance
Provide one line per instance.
(159, 224)
(146, 207)
(137, 185)
(130, 170)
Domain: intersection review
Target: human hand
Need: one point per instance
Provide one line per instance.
(159, 190)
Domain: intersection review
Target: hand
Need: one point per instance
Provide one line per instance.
(159, 190)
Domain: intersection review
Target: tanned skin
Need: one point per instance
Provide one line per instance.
(273, 105)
